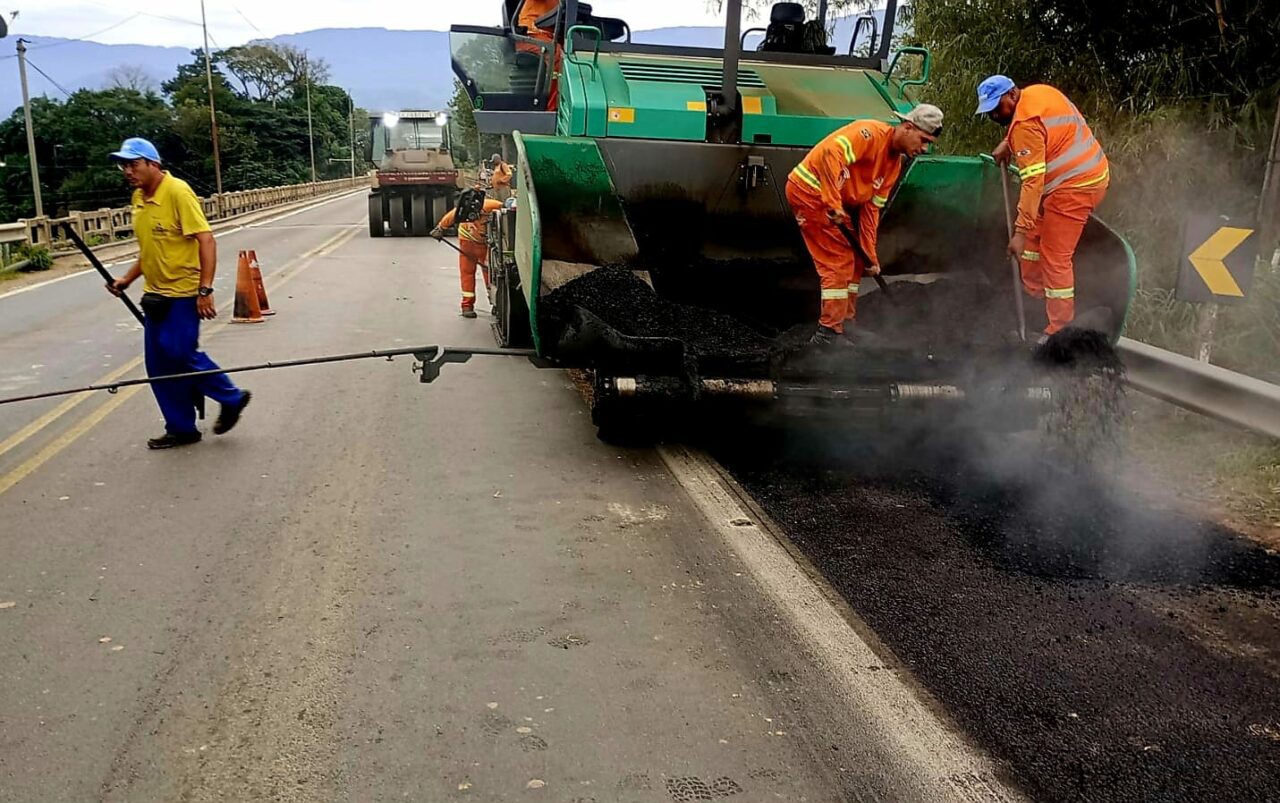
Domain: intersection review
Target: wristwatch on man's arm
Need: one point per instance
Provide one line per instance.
(204, 292)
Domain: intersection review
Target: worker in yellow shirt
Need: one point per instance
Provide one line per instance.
(177, 257)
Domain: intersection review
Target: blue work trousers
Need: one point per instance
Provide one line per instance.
(172, 337)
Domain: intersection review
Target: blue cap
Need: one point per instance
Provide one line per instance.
(137, 148)
(991, 90)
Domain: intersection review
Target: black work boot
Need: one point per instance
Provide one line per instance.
(829, 337)
(229, 414)
(170, 440)
(467, 312)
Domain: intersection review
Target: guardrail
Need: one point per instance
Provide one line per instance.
(117, 223)
(1203, 388)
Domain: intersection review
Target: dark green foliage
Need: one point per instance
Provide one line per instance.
(262, 137)
(36, 256)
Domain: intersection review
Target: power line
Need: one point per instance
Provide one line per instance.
(47, 77)
(246, 19)
(87, 36)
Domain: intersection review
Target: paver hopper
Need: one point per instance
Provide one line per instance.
(671, 163)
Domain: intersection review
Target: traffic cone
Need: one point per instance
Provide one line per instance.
(247, 309)
(257, 283)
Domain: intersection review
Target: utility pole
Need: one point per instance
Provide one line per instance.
(1268, 199)
(31, 133)
(351, 127)
(213, 113)
(311, 137)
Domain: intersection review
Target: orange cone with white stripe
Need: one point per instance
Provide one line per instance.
(257, 283)
(246, 309)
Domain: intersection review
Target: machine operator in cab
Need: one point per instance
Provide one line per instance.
(1064, 177)
(527, 24)
(473, 249)
(836, 194)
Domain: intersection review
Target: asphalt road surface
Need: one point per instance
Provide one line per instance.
(1100, 647)
(375, 589)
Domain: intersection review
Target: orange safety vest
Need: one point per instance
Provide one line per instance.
(1053, 148)
(853, 168)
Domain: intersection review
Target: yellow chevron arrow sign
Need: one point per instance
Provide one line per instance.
(1208, 258)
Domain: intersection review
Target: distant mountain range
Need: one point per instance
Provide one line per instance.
(383, 69)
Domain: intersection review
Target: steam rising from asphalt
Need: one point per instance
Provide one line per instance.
(1051, 502)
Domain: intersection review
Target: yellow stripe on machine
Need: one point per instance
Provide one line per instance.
(752, 104)
(621, 114)
(696, 106)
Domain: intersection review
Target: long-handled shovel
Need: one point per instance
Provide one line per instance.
(102, 270)
(1013, 260)
(880, 282)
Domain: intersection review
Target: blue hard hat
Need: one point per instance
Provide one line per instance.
(137, 148)
(991, 90)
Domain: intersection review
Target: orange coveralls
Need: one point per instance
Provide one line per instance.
(473, 247)
(1064, 177)
(530, 12)
(851, 171)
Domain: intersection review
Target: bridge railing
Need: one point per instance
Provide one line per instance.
(109, 225)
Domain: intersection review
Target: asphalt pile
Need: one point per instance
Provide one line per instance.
(611, 316)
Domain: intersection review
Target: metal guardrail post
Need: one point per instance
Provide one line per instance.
(1206, 389)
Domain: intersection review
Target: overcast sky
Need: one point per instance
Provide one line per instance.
(231, 22)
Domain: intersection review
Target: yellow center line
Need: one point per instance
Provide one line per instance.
(290, 270)
(67, 438)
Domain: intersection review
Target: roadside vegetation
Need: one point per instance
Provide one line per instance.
(1183, 98)
(260, 95)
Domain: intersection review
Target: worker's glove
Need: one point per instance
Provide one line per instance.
(838, 216)
(437, 233)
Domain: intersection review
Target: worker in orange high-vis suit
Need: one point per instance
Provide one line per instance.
(1064, 177)
(841, 186)
(527, 24)
(473, 251)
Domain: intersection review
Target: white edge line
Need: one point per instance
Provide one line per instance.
(939, 757)
(254, 224)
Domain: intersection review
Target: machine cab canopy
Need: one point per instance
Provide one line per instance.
(508, 73)
(406, 130)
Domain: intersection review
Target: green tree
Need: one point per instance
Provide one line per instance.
(268, 71)
(469, 146)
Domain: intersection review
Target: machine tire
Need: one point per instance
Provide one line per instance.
(439, 206)
(377, 224)
(620, 422)
(510, 311)
(421, 225)
(397, 217)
